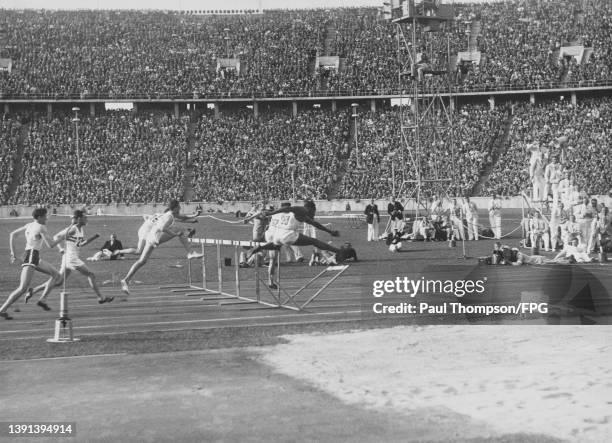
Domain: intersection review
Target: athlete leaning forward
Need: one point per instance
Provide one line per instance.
(162, 228)
(284, 230)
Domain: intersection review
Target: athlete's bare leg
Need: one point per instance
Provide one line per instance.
(91, 278)
(24, 282)
(144, 257)
(136, 251)
(274, 257)
(56, 279)
(267, 247)
(304, 240)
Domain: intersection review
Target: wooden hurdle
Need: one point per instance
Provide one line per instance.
(202, 288)
(281, 298)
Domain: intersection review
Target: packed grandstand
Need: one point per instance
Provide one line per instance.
(54, 60)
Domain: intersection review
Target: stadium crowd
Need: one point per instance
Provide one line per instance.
(9, 136)
(127, 157)
(239, 158)
(158, 54)
(378, 158)
(587, 156)
(120, 158)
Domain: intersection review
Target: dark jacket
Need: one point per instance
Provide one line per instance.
(369, 212)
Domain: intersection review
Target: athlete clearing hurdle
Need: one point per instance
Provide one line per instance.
(162, 230)
(283, 230)
(147, 225)
(74, 236)
(36, 235)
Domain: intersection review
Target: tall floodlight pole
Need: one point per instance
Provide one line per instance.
(76, 121)
(292, 168)
(355, 115)
(391, 159)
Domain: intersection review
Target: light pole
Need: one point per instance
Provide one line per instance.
(76, 121)
(355, 115)
(292, 168)
(391, 158)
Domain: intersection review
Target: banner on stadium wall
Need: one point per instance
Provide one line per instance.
(6, 65)
(469, 56)
(228, 63)
(328, 62)
(572, 51)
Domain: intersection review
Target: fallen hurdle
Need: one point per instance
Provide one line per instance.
(290, 301)
(280, 298)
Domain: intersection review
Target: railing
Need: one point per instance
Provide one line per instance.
(310, 95)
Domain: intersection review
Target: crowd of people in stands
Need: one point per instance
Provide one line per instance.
(587, 156)
(9, 137)
(276, 156)
(158, 54)
(380, 162)
(118, 158)
(129, 157)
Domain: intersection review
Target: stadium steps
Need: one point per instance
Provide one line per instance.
(330, 39)
(500, 145)
(333, 189)
(329, 48)
(18, 170)
(474, 33)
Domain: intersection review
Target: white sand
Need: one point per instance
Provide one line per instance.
(553, 380)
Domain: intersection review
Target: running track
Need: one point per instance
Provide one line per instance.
(150, 308)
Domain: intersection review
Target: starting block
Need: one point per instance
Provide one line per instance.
(280, 298)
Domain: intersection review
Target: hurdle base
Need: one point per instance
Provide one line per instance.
(63, 340)
(63, 331)
(238, 302)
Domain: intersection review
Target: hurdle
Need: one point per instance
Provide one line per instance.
(280, 297)
(190, 283)
(202, 289)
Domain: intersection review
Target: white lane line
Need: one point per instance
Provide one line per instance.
(61, 358)
(209, 320)
(204, 328)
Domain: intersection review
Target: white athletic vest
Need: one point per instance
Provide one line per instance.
(34, 235)
(285, 220)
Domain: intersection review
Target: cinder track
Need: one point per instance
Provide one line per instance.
(150, 308)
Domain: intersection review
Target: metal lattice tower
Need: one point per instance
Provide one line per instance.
(428, 133)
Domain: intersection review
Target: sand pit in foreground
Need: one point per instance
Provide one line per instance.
(541, 379)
